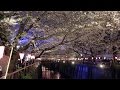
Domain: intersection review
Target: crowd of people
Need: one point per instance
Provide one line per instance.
(22, 63)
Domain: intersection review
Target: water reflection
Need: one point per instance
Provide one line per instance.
(50, 74)
(78, 71)
(90, 72)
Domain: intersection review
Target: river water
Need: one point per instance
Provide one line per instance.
(50, 74)
(80, 72)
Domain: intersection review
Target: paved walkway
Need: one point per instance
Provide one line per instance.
(3, 63)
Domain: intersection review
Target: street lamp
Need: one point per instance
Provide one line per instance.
(101, 65)
(73, 62)
(1, 51)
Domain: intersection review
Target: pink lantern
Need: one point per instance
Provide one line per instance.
(21, 55)
(1, 51)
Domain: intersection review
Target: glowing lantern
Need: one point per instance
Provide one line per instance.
(18, 47)
(99, 57)
(73, 62)
(92, 57)
(32, 57)
(104, 57)
(21, 56)
(115, 57)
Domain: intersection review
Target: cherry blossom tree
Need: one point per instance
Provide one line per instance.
(89, 32)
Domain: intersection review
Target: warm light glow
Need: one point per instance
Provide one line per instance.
(86, 58)
(115, 57)
(101, 65)
(29, 56)
(96, 58)
(10, 21)
(21, 55)
(118, 58)
(58, 59)
(1, 51)
(32, 57)
(73, 62)
(75, 58)
(58, 76)
(104, 57)
(82, 58)
(99, 57)
(63, 61)
(92, 57)
(39, 59)
(79, 58)
(18, 47)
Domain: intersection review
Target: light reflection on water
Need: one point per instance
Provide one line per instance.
(49, 74)
(79, 71)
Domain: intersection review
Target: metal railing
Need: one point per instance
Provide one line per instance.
(17, 74)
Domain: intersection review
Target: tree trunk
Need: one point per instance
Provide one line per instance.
(92, 55)
(40, 54)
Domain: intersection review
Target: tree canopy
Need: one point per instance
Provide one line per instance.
(82, 31)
